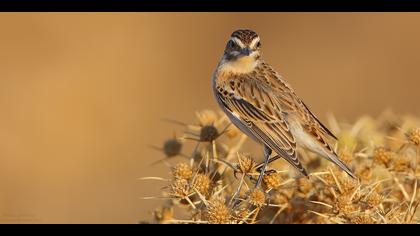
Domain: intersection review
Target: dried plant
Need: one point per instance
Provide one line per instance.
(215, 184)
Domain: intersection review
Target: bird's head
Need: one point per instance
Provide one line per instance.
(242, 52)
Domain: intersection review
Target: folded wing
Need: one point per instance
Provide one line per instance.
(254, 107)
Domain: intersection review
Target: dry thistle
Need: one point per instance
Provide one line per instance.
(180, 189)
(387, 191)
(414, 136)
(217, 212)
(257, 198)
(332, 177)
(346, 156)
(374, 199)
(382, 155)
(272, 180)
(172, 147)
(348, 185)
(246, 164)
(344, 205)
(401, 163)
(362, 219)
(208, 133)
(208, 128)
(202, 184)
(365, 173)
(182, 171)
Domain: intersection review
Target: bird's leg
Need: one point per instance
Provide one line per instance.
(267, 153)
(261, 165)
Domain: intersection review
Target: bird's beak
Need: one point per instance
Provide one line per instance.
(246, 51)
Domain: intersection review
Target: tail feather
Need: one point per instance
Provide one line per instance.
(336, 160)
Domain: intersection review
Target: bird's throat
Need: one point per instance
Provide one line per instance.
(241, 65)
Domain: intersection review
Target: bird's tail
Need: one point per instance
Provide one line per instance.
(336, 160)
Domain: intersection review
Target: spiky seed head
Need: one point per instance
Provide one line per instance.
(374, 199)
(179, 188)
(246, 164)
(172, 147)
(346, 156)
(208, 133)
(217, 212)
(329, 178)
(401, 163)
(350, 206)
(348, 184)
(365, 173)
(344, 205)
(272, 180)
(414, 136)
(182, 171)
(257, 198)
(202, 184)
(362, 219)
(382, 156)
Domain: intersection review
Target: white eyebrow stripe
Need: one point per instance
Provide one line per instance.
(238, 42)
(254, 41)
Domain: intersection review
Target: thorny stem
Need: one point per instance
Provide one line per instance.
(254, 218)
(237, 191)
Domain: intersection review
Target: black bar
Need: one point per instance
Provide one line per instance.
(208, 6)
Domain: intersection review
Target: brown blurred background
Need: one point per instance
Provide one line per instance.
(82, 95)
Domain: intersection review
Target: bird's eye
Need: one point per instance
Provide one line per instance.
(258, 44)
(233, 45)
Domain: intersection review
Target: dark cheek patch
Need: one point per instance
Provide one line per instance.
(229, 55)
(232, 55)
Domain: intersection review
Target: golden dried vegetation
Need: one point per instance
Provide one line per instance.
(215, 183)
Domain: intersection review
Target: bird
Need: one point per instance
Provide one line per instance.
(261, 104)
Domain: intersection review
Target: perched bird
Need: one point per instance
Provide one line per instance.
(265, 107)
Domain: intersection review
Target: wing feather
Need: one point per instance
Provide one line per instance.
(262, 119)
